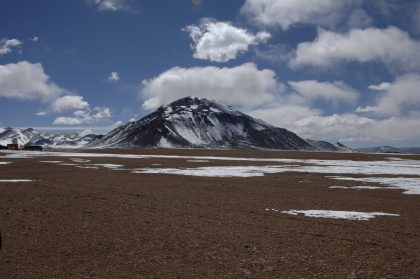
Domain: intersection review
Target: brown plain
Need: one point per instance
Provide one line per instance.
(87, 223)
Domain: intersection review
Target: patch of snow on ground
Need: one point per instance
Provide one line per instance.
(78, 160)
(394, 159)
(5, 163)
(67, 164)
(87, 167)
(109, 166)
(14, 180)
(198, 161)
(221, 171)
(52, 162)
(410, 185)
(332, 214)
(357, 187)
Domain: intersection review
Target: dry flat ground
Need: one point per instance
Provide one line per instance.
(99, 223)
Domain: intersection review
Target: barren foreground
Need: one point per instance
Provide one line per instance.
(96, 216)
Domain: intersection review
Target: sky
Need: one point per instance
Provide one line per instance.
(345, 71)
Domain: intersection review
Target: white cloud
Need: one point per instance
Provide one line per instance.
(101, 113)
(114, 76)
(334, 92)
(221, 41)
(393, 116)
(68, 121)
(391, 46)
(84, 117)
(27, 81)
(310, 123)
(7, 45)
(35, 39)
(366, 109)
(380, 87)
(401, 97)
(243, 86)
(285, 115)
(286, 13)
(41, 113)
(111, 5)
(69, 103)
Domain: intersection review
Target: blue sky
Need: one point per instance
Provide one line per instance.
(332, 70)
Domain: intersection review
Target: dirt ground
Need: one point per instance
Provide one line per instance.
(100, 223)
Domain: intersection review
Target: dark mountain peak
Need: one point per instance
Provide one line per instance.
(199, 122)
(195, 104)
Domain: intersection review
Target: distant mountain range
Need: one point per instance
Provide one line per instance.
(389, 149)
(31, 137)
(189, 123)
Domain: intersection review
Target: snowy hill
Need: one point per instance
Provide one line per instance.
(325, 146)
(31, 137)
(195, 122)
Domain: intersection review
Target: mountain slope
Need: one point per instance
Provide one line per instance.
(325, 146)
(194, 122)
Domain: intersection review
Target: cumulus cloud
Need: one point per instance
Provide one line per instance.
(380, 87)
(285, 115)
(69, 103)
(84, 117)
(347, 127)
(401, 97)
(35, 39)
(243, 86)
(391, 46)
(333, 92)
(27, 81)
(113, 77)
(219, 41)
(7, 45)
(286, 13)
(111, 5)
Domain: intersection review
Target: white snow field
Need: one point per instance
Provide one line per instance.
(357, 187)
(333, 214)
(14, 180)
(407, 170)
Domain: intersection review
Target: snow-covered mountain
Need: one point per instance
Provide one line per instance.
(325, 146)
(31, 137)
(390, 149)
(195, 122)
